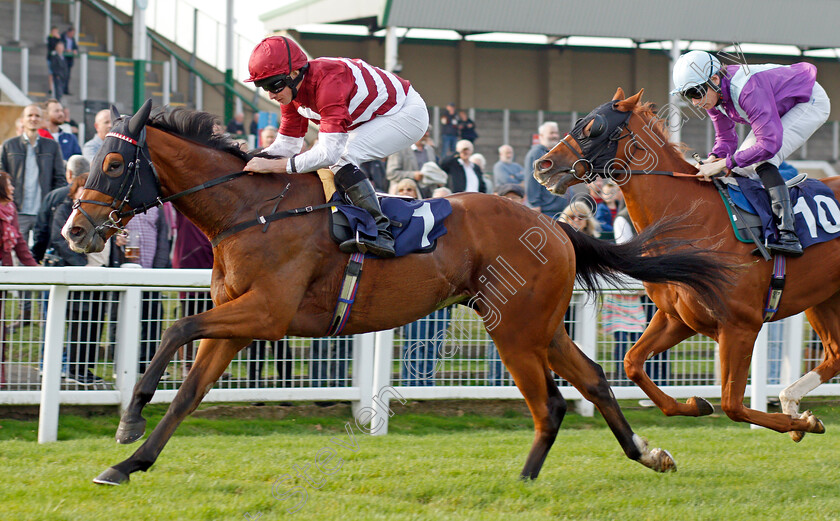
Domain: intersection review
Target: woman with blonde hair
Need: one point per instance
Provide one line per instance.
(408, 188)
(579, 216)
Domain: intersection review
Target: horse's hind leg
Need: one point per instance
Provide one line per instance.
(663, 333)
(213, 357)
(547, 406)
(825, 319)
(567, 360)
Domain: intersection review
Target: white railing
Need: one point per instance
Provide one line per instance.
(459, 360)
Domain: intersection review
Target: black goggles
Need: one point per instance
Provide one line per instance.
(276, 84)
(696, 92)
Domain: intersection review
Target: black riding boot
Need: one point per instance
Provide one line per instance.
(363, 195)
(788, 243)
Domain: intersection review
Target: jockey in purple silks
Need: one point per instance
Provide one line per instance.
(783, 104)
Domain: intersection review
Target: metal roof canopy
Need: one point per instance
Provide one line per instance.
(807, 24)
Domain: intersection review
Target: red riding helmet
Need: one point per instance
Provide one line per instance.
(273, 56)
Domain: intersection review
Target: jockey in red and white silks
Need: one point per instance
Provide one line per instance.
(363, 113)
(784, 106)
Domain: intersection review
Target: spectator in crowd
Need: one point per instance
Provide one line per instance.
(506, 171)
(448, 130)
(374, 170)
(102, 125)
(423, 338)
(60, 71)
(53, 38)
(578, 215)
(481, 162)
(329, 362)
(259, 350)
(657, 367)
(464, 176)
(71, 50)
(55, 118)
(85, 309)
(408, 188)
(407, 163)
(150, 233)
(70, 124)
(441, 192)
(19, 126)
(192, 249)
(254, 128)
(10, 237)
(77, 165)
(466, 127)
(267, 136)
(236, 126)
(512, 191)
(539, 198)
(612, 200)
(36, 166)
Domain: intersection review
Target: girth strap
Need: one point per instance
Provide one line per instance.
(347, 295)
(777, 284)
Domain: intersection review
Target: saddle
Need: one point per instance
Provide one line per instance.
(816, 211)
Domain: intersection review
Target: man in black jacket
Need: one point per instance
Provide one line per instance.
(36, 166)
(464, 175)
(76, 166)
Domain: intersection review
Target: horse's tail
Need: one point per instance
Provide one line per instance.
(654, 255)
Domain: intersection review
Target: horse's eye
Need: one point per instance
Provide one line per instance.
(113, 165)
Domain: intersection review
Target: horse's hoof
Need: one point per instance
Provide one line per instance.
(664, 462)
(704, 408)
(796, 435)
(129, 432)
(111, 476)
(815, 423)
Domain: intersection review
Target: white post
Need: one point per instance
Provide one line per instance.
(83, 76)
(1, 58)
(128, 344)
(363, 348)
(229, 35)
(506, 127)
(392, 54)
(165, 82)
(173, 73)
(24, 70)
(47, 15)
(758, 374)
(112, 79)
(138, 34)
(710, 136)
(835, 140)
(16, 29)
(199, 93)
(675, 123)
(382, 360)
(792, 349)
(586, 337)
(109, 35)
(51, 377)
(540, 119)
(436, 124)
(77, 17)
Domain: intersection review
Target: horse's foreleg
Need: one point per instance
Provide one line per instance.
(736, 345)
(132, 424)
(567, 360)
(213, 357)
(663, 333)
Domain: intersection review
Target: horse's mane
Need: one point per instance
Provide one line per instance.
(196, 126)
(659, 126)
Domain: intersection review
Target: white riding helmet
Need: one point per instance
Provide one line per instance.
(694, 68)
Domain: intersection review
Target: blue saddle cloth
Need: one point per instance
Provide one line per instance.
(816, 212)
(421, 222)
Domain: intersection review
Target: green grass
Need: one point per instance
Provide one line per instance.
(428, 467)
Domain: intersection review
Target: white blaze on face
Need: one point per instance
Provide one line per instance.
(65, 230)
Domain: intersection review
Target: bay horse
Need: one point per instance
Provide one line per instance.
(645, 152)
(284, 280)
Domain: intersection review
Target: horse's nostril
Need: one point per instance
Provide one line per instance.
(545, 164)
(76, 231)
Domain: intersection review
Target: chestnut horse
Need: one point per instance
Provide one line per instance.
(644, 151)
(284, 280)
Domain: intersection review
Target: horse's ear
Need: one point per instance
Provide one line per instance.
(628, 104)
(115, 114)
(619, 94)
(138, 121)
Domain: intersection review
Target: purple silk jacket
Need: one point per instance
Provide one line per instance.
(761, 98)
